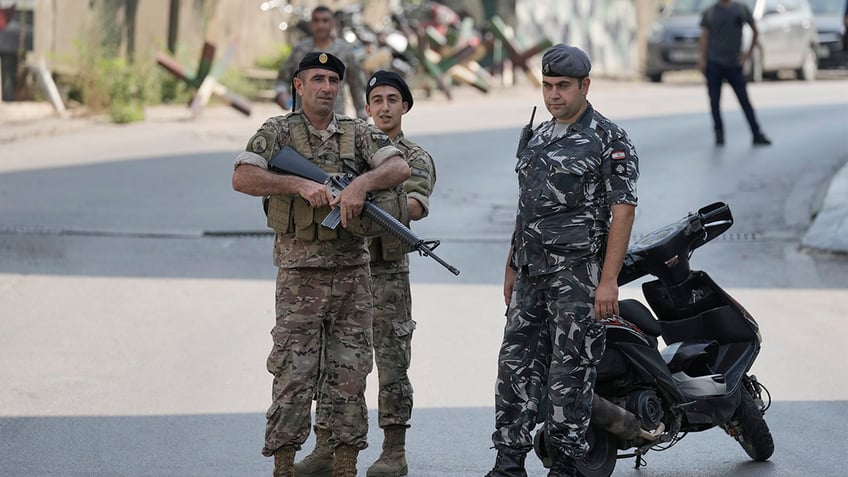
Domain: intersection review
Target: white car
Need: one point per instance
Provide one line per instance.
(833, 44)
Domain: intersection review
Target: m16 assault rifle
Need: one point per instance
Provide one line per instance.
(289, 161)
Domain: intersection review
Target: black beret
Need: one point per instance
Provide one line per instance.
(564, 60)
(319, 59)
(389, 78)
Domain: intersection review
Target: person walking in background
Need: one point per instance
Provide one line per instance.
(721, 58)
(324, 300)
(577, 178)
(388, 98)
(322, 26)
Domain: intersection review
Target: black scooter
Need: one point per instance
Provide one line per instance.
(647, 398)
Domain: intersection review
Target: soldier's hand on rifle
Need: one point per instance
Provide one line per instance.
(315, 194)
(350, 201)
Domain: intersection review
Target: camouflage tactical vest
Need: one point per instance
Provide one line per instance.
(291, 214)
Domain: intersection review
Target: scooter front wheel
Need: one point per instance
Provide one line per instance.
(752, 432)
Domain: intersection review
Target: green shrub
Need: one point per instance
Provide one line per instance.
(273, 61)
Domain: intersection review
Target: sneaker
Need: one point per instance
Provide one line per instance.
(761, 140)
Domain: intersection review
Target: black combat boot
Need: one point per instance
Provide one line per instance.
(563, 466)
(509, 463)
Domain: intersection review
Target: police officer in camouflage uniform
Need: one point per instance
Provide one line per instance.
(323, 293)
(321, 24)
(577, 197)
(388, 98)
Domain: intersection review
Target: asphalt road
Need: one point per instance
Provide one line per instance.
(136, 287)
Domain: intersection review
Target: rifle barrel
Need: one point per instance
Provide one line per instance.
(406, 235)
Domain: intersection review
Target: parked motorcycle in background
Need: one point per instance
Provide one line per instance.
(647, 398)
(289, 17)
(383, 49)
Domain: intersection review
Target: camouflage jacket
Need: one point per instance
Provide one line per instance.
(419, 186)
(347, 249)
(566, 187)
(353, 77)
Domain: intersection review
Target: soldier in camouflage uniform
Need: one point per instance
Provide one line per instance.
(321, 24)
(324, 296)
(388, 99)
(577, 196)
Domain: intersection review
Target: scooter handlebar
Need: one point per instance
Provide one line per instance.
(665, 252)
(714, 220)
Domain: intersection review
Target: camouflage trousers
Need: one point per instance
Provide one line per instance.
(393, 327)
(323, 329)
(546, 365)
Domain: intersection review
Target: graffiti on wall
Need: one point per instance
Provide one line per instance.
(605, 29)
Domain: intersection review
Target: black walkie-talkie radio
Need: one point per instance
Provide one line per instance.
(526, 133)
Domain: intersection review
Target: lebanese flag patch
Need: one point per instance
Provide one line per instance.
(618, 155)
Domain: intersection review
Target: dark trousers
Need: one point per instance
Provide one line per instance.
(716, 74)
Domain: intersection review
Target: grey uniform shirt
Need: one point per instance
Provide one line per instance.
(566, 187)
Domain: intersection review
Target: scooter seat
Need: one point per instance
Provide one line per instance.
(638, 314)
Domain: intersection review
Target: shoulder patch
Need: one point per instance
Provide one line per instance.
(620, 169)
(259, 144)
(380, 139)
(262, 143)
(619, 155)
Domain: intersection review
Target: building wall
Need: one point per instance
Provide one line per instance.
(612, 32)
(62, 27)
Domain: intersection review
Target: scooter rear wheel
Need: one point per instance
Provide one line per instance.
(602, 455)
(598, 462)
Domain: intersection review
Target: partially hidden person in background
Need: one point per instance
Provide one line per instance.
(322, 25)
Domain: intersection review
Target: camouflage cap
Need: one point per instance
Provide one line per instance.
(320, 59)
(564, 60)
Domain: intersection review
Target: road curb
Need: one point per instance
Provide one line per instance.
(829, 230)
